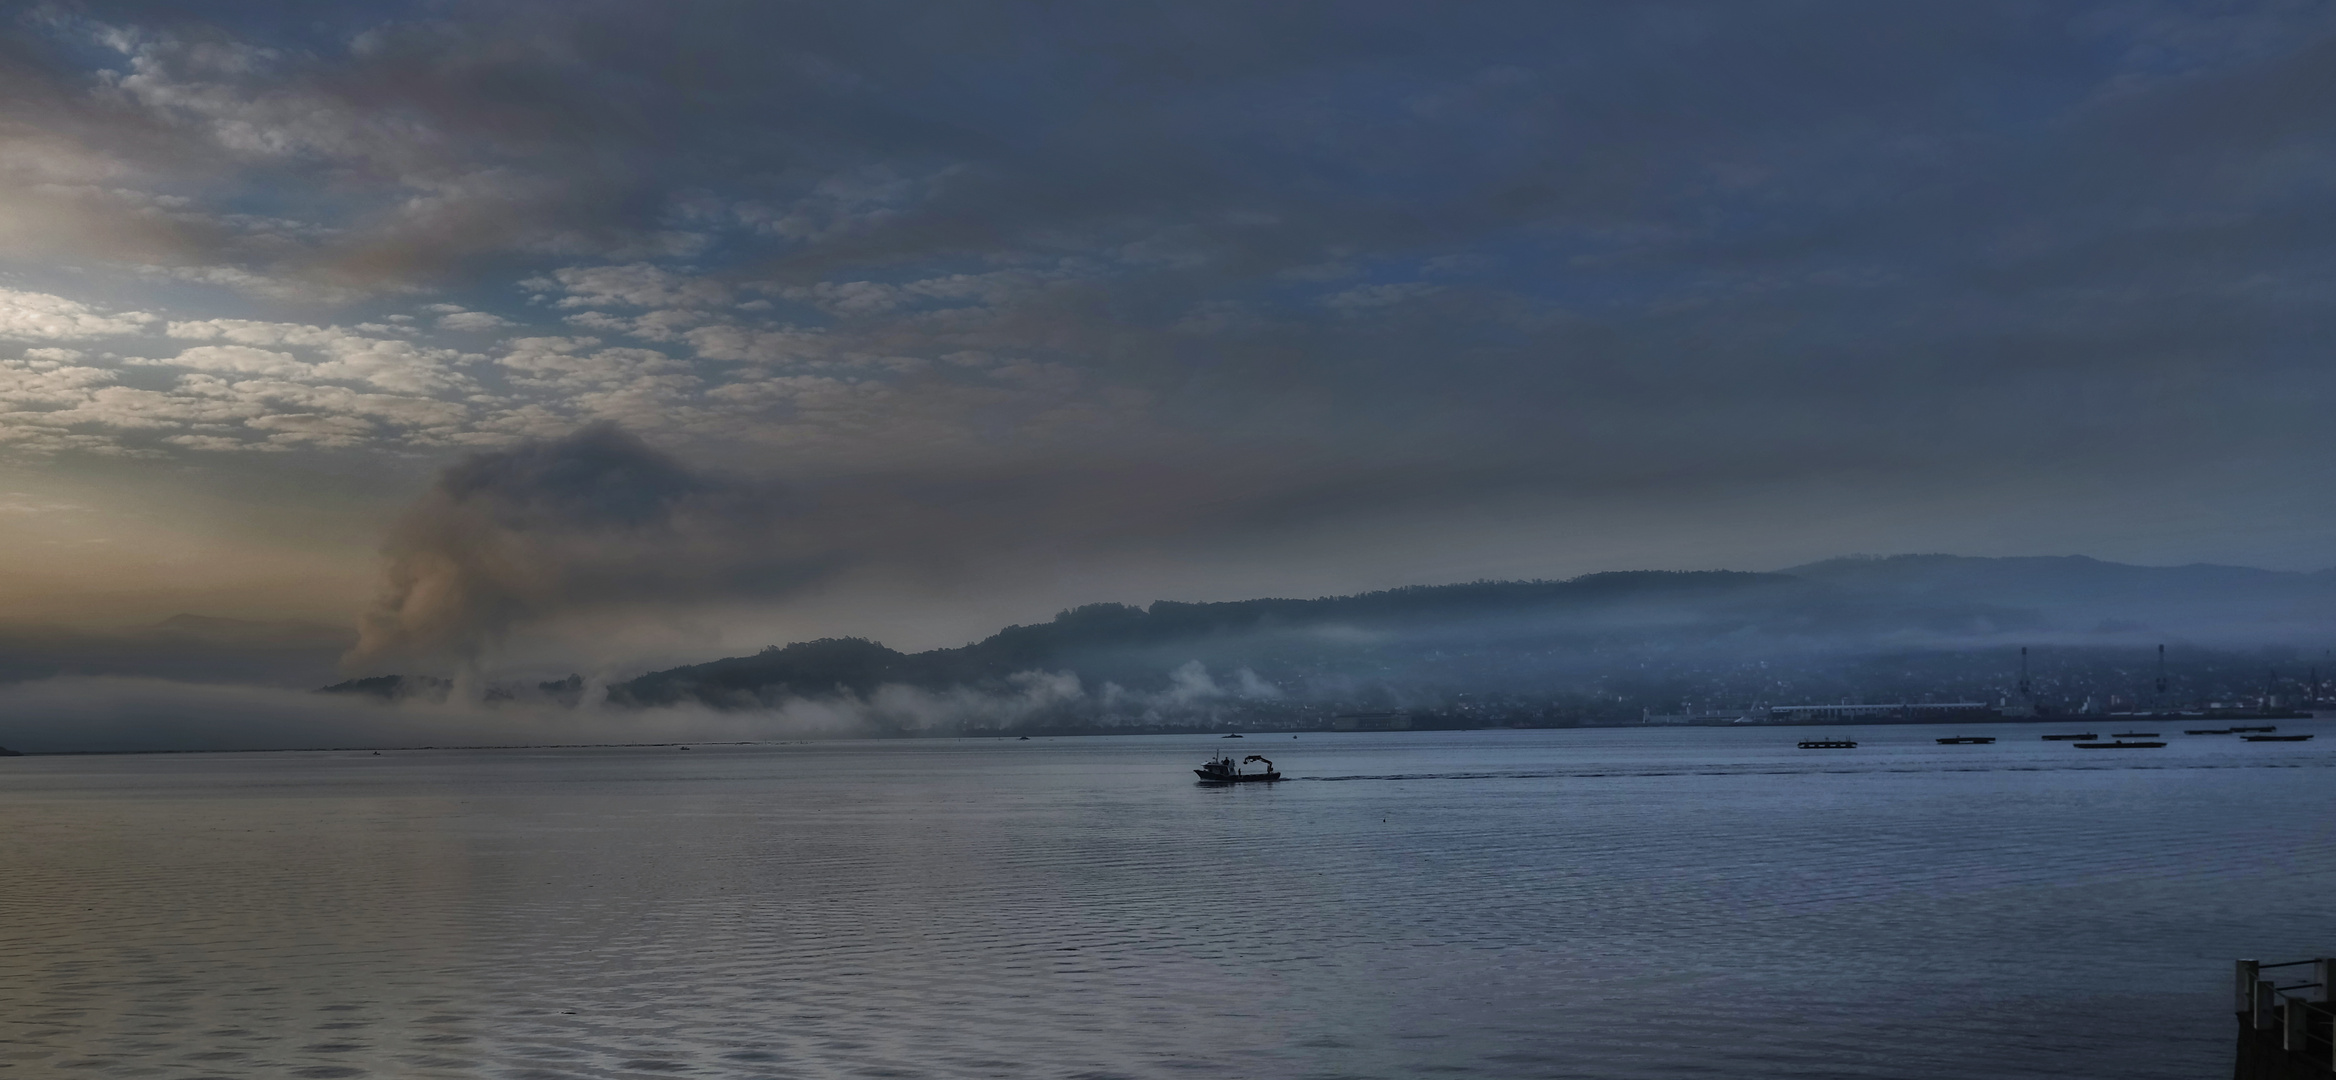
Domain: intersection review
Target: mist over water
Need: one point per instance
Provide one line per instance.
(1612, 903)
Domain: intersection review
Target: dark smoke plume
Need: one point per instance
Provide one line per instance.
(596, 518)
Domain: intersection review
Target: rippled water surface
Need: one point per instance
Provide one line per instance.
(1608, 903)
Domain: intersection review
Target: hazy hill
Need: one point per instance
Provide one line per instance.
(1603, 637)
(1386, 646)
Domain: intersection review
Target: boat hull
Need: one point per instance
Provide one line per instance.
(1208, 777)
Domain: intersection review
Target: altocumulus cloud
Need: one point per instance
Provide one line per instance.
(1278, 267)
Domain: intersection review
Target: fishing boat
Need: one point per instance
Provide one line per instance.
(1966, 740)
(1223, 769)
(2119, 745)
(2072, 738)
(1827, 744)
(2133, 734)
(2275, 738)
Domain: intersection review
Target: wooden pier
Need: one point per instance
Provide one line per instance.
(2286, 1032)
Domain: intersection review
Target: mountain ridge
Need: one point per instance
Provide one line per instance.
(1543, 637)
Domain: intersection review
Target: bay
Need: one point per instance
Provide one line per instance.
(1592, 903)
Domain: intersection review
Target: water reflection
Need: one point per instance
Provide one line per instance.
(1614, 904)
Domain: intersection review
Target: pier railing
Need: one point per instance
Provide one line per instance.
(2286, 1028)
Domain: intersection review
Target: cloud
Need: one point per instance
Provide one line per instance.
(289, 285)
(43, 317)
(630, 285)
(1365, 297)
(48, 382)
(473, 322)
(849, 298)
(238, 359)
(579, 364)
(71, 714)
(549, 528)
(388, 363)
(17, 502)
(1736, 266)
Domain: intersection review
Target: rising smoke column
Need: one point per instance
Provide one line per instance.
(595, 518)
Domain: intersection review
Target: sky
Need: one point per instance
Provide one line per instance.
(673, 329)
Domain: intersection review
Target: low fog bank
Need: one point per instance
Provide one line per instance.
(182, 648)
(1456, 686)
(79, 715)
(74, 714)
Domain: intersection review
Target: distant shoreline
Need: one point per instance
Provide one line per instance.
(1192, 732)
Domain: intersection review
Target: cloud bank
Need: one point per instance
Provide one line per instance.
(1225, 297)
(80, 715)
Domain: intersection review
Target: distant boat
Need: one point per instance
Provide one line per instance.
(2133, 734)
(2275, 738)
(2266, 727)
(2119, 745)
(1222, 769)
(1232, 736)
(1827, 744)
(2208, 731)
(1966, 740)
(2071, 738)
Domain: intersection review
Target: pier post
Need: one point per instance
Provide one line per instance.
(2294, 1016)
(2324, 973)
(2265, 996)
(2249, 971)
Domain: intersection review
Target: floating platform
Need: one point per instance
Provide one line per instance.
(2072, 738)
(1827, 744)
(2208, 731)
(2275, 738)
(1966, 740)
(2119, 745)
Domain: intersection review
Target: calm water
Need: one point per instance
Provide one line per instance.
(1609, 904)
